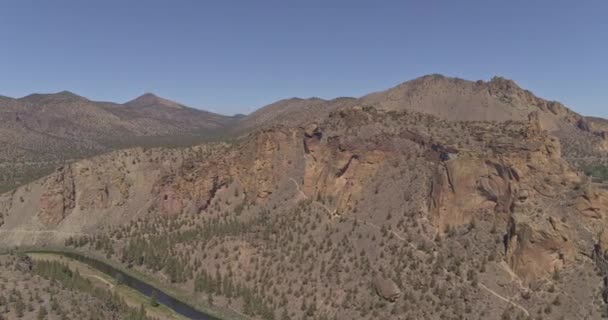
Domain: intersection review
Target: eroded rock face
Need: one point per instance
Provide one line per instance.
(521, 182)
(511, 172)
(59, 198)
(172, 195)
(252, 166)
(112, 191)
(536, 250)
(592, 203)
(461, 187)
(335, 171)
(454, 192)
(256, 164)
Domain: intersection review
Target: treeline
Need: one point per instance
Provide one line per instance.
(60, 272)
(254, 303)
(158, 252)
(157, 245)
(157, 255)
(100, 242)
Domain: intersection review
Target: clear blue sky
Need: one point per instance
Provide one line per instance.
(235, 56)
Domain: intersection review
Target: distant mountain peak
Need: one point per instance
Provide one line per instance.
(66, 93)
(433, 76)
(60, 96)
(504, 83)
(148, 95)
(5, 98)
(151, 100)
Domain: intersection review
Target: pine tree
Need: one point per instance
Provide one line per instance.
(154, 299)
(19, 307)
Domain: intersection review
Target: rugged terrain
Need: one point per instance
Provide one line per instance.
(40, 132)
(397, 205)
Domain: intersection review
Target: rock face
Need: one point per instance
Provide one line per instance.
(520, 181)
(517, 172)
(394, 186)
(592, 203)
(454, 99)
(59, 198)
(462, 186)
(67, 126)
(536, 251)
(390, 186)
(454, 193)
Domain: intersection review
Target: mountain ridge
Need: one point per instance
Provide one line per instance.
(51, 121)
(402, 213)
(439, 198)
(499, 99)
(41, 131)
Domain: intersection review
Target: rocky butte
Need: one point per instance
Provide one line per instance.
(439, 198)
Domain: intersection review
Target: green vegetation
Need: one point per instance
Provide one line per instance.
(60, 272)
(599, 172)
(254, 303)
(14, 175)
(15, 172)
(100, 279)
(155, 251)
(177, 294)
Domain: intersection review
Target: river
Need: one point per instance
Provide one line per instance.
(141, 286)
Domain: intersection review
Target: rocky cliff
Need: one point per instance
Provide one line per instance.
(512, 171)
(382, 212)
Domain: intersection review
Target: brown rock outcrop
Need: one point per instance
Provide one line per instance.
(592, 203)
(454, 192)
(386, 288)
(536, 249)
(361, 164)
(59, 198)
